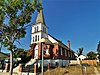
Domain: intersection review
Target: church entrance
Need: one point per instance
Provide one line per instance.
(36, 52)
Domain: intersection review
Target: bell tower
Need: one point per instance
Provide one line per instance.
(39, 29)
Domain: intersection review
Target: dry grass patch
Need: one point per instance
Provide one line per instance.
(98, 68)
(70, 70)
(90, 70)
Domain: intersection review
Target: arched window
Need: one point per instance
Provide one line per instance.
(61, 50)
(56, 51)
(71, 55)
(37, 29)
(38, 37)
(45, 30)
(65, 53)
(47, 50)
(68, 54)
(35, 37)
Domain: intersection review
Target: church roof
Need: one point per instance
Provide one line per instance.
(60, 43)
(40, 17)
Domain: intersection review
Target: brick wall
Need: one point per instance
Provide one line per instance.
(54, 52)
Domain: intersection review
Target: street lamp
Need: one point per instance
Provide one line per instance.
(43, 40)
(46, 41)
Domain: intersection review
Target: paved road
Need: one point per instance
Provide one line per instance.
(96, 71)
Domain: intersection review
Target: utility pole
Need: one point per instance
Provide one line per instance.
(42, 60)
(0, 46)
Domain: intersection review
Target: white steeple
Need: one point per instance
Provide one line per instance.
(39, 30)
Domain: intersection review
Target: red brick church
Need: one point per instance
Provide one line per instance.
(54, 49)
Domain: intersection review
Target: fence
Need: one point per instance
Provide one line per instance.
(89, 62)
(54, 62)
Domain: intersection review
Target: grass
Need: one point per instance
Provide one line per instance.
(70, 70)
(98, 68)
(90, 70)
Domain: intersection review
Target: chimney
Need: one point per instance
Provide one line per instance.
(68, 44)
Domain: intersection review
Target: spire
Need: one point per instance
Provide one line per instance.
(40, 17)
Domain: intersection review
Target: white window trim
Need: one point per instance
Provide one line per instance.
(65, 53)
(61, 50)
(47, 50)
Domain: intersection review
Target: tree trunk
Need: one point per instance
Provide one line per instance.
(11, 63)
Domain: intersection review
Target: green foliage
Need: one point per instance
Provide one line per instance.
(20, 53)
(80, 51)
(98, 48)
(15, 15)
(23, 54)
(91, 55)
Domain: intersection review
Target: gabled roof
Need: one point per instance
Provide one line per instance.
(47, 41)
(40, 17)
(58, 41)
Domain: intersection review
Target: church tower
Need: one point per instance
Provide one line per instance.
(39, 29)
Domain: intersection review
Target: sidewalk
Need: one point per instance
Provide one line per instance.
(23, 73)
(96, 71)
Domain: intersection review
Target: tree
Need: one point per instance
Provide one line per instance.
(15, 16)
(98, 49)
(20, 53)
(91, 55)
(23, 54)
(80, 51)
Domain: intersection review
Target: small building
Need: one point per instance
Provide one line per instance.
(54, 49)
(81, 57)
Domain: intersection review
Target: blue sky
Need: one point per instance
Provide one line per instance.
(74, 20)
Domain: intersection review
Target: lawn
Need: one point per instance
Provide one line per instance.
(98, 68)
(70, 70)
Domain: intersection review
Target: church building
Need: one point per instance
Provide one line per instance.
(53, 49)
